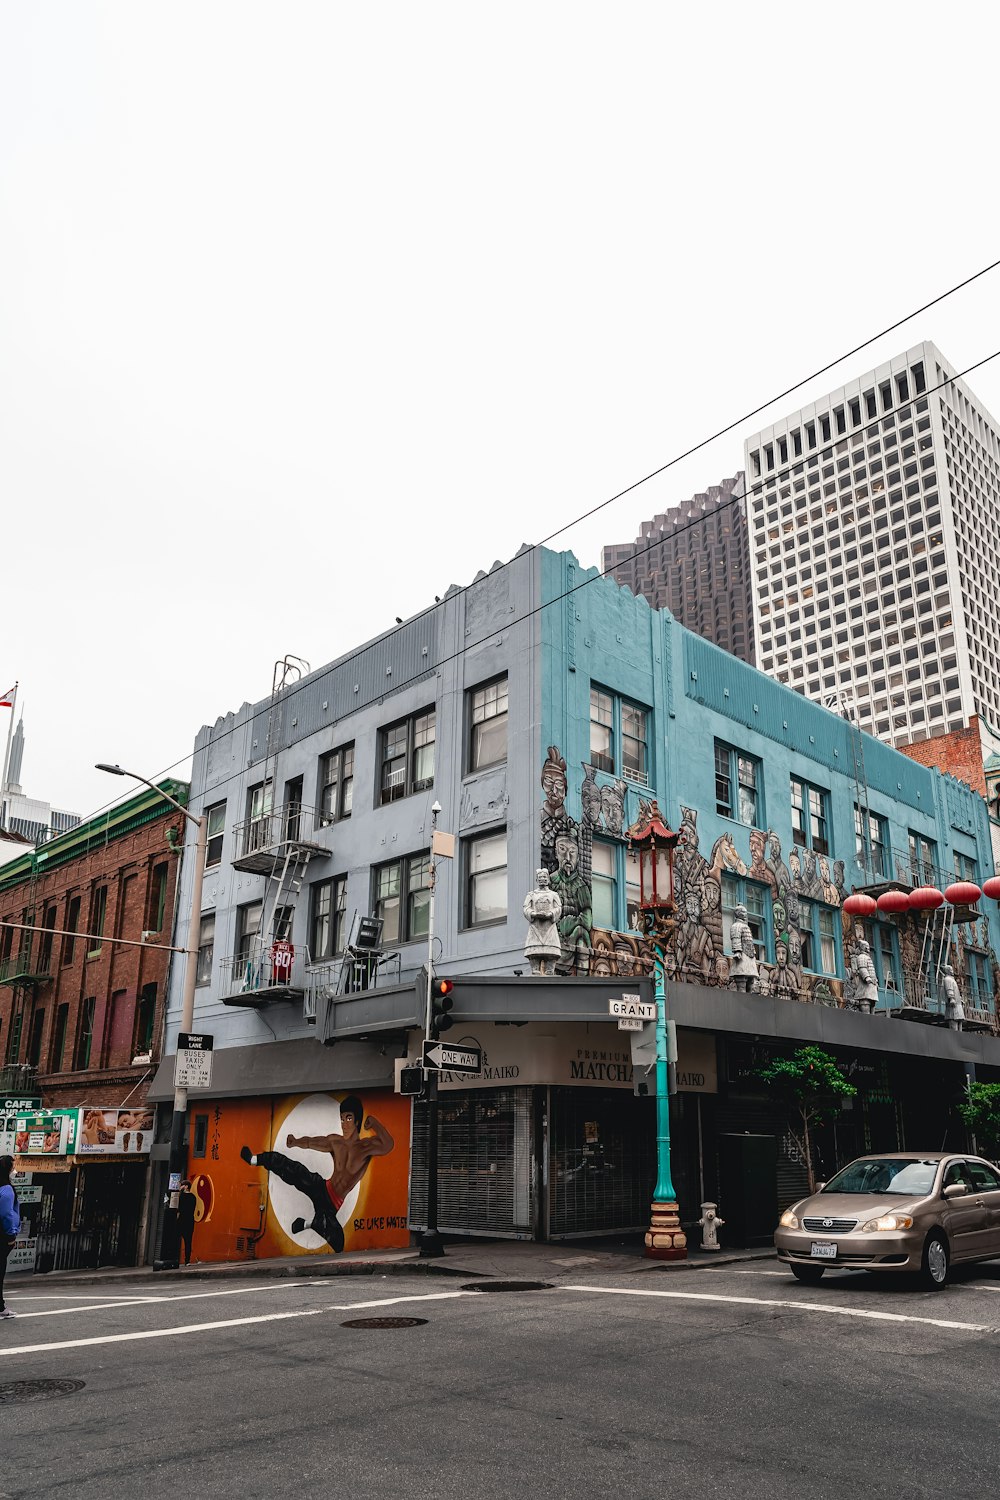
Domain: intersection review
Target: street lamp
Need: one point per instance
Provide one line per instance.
(653, 843)
(169, 1256)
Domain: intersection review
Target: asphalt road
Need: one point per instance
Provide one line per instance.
(728, 1382)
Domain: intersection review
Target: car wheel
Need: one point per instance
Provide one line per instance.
(935, 1263)
(810, 1275)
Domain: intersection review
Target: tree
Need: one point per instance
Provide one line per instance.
(980, 1110)
(811, 1086)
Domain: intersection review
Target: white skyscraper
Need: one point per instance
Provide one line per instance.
(874, 524)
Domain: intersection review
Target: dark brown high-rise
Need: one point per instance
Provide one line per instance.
(695, 561)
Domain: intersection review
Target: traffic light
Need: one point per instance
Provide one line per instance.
(442, 1002)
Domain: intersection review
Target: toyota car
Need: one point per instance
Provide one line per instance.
(902, 1211)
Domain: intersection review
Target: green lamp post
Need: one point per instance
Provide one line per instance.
(653, 843)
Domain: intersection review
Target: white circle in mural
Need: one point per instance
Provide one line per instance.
(317, 1115)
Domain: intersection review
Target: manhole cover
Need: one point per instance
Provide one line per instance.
(37, 1390)
(383, 1323)
(507, 1286)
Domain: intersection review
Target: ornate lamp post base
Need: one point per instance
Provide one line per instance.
(665, 1239)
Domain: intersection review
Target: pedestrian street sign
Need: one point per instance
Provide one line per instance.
(193, 1064)
(448, 1057)
(631, 1008)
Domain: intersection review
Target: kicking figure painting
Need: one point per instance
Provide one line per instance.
(350, 1154)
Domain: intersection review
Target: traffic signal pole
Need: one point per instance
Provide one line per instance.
(431, 1243)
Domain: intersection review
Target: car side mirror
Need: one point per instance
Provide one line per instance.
(820, 1186)
(955, 1190)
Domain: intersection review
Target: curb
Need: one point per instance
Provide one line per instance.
(410, 1266)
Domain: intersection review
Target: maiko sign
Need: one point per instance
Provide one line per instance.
(585, 1055)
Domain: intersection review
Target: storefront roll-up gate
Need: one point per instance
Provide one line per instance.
(484, 1162)
(602, 1161)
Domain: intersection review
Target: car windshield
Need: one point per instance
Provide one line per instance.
(891, 1174)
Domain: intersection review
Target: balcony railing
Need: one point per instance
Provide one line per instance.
(923, 1000)
(18, 1080)
(263, 842)
(254, 979)
(31, 966)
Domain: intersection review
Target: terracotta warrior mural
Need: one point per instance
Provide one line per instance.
(702, 948)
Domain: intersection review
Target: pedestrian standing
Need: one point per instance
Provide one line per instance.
(10, 1223)
(186, 1205)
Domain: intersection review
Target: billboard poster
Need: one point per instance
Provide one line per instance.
(299, 1174)
(45, 1133)
(122, 1132)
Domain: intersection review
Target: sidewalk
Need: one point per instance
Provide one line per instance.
(504, 1260)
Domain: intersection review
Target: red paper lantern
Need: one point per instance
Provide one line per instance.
(860, 905)
(991, 887)
(892, 902)
(926, 898)
(963, 893)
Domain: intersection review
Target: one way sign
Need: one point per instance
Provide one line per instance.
(441, 1057)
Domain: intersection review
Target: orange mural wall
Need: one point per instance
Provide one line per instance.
(336, 1187)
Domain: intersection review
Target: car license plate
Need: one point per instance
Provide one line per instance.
(823, 1250)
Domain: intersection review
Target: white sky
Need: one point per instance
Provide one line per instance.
(307, 311)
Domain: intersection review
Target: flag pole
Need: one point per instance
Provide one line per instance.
(6, 760)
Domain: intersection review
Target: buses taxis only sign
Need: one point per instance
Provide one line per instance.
(631, 1012)
(193, 1065)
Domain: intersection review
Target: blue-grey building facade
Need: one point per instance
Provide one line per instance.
(539, 708)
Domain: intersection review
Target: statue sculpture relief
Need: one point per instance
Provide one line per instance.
(543, 908)
(743, 963)
(865, 977)
(954, 1008)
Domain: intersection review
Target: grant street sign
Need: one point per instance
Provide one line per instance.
(193, 1064)
(631, 1008)
(443, 1057)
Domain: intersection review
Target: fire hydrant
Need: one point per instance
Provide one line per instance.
(709, 1225)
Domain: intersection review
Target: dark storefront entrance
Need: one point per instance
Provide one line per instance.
(89, 1216)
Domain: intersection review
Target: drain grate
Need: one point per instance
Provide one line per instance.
(507, 1286)
(383, 1323)
(37, 1390)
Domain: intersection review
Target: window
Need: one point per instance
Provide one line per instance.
(737, 891)
(145, 1012)
(979, 984)
(248, 920)
(871, 841)
(602, 731)
(486, 879)
(923, 858)
(199, 1139)
(72, 923)
(260, 806)
(882, 940)
(618, 736)
(59, 1039)
(98, 912)
(157, 899)
(810, 816)
(738, 786)
(817, 931)
(336, 785)
(45, 941)
(634, 744)
(407, 757)
(402, 898)
(614, 869)
(206, 948)
(966, 867)
(35, 1037)
(326, 925)
(85, 1034)
(216, 816)
(488, 725)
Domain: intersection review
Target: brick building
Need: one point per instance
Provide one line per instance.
(81, 1013)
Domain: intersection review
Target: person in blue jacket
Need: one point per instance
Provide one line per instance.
(10, 1223)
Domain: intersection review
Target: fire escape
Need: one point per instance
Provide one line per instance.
(277, 843)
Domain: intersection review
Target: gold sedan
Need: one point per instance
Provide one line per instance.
(902, 1211)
